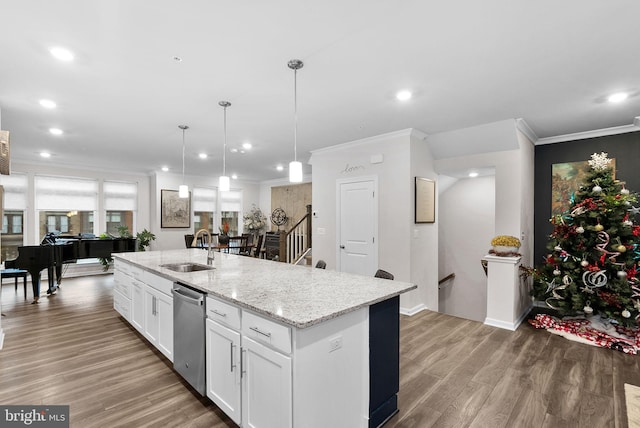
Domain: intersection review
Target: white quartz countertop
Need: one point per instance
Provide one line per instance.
(296, 295)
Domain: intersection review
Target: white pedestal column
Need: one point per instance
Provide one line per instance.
(507, 302)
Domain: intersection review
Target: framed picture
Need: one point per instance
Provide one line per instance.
(175, 212)
(566, 179)
(425, 200)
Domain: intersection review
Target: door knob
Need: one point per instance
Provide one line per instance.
(342, 247)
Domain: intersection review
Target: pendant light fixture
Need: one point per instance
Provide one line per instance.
(223, 182)
(183, 190)
(295, 167)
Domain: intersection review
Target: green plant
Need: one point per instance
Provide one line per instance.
(144, 239)
(106, 261)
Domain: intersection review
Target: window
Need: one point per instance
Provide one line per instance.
(204, 208)
(66, 205)
(120, 203)
(15, 204)
(230, 210)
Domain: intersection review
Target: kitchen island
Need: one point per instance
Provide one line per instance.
(286, 345)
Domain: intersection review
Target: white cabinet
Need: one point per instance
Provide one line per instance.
(266, 398)
(223, 368)
(158, 320)
(137, 305)
(145, 300)
(250, 381)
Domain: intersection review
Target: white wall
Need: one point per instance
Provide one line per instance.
(169, 238)
(423, 236)
(466, 227)
(404, 154)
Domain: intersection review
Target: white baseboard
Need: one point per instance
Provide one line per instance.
(1, 338)
(412, 311)
(508, 325)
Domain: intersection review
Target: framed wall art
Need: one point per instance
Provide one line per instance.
(175, 212)
(566, 179)
(425, 200)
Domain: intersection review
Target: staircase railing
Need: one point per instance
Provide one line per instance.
(295, 242)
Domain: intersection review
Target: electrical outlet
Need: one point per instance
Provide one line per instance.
(335, 343)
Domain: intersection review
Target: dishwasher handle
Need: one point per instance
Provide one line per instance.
(178, 293)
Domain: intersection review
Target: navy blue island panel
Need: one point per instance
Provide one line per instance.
(384, 360)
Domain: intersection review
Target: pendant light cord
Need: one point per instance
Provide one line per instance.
(224, 148)
(295, 115)
(183, 129)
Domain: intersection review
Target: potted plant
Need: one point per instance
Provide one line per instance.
(223, 238)
(144, 239)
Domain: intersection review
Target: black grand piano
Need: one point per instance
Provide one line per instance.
(55, 250)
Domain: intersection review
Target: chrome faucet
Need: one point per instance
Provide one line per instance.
(210, 256)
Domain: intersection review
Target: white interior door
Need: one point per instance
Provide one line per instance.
(357, 226)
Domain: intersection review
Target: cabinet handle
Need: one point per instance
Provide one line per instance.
(232, 365)
(155, 306)
(222, 314)
(242, 370)
(257, 330)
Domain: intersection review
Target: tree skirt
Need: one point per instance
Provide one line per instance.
(592, 330)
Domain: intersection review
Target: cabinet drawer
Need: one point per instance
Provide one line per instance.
(122, 305)
(266, 331)
(161, 284)
(122, 283)
(129, 269)
(223, 312)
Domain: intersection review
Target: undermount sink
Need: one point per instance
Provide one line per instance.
(186, 267)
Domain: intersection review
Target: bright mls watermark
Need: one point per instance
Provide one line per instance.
(34, 416)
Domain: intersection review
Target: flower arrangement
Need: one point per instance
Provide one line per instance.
(505, 245)
(506, 241)
(224, 229)
(255, 220)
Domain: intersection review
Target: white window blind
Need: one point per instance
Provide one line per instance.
(15, 191)
(120, 196)
(64, 193)
(204, 199)
(231, 200)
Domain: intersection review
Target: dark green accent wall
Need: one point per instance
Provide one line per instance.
(625, 148)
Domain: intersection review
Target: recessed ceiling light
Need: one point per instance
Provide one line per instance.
(234, 176)
(202, 155)
(473, 174)
(45, 154)
(177, 59)
(165, 168)
(62, 54)
(47, 104)
(55, 131)
(234, 150)
(241, 152)
(617, 97)
(403, 95)
(246, 145)
(279, 167)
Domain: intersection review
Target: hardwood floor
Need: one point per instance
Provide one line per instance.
(74, 349)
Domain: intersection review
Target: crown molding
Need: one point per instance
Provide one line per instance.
(409, 132)
(587, 134)
(524, 127)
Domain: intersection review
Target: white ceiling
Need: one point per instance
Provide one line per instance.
(467, 63)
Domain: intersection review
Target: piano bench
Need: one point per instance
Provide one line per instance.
(15, 274)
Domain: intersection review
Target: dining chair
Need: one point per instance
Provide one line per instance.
(258, 247)
(238, 244)
(383, 274)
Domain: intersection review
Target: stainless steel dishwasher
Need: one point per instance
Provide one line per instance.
(189, 335)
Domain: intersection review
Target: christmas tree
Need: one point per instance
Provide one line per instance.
(594, 251)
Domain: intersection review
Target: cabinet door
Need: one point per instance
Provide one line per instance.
(164, 309)
(223, 368)
(150, 315)
(266, 393)
(137, 305)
